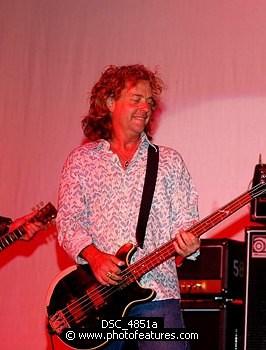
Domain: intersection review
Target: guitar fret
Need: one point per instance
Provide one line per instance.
(130, 274)
(128, 279)
(6, 241)
(221, 214)
(11, 237)
(15, 235)
(3, 244)
(44, 215)
(167, 251)
(19, 232)
(155, 259)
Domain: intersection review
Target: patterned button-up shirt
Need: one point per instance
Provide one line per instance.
(99, 203)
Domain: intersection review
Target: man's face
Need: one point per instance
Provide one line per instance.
(132, 111)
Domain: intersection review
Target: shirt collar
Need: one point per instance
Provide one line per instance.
(97, 145)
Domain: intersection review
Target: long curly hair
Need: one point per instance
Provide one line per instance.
(97, 123)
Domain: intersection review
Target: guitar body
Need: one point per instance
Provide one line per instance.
(84, 302)
(77, 300)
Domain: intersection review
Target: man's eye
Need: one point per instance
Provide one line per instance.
(152, 103)
(135, 100)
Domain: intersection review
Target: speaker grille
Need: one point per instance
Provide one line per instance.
(219, 325)
(255, 296)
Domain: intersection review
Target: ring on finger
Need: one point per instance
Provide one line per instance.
(109, 274)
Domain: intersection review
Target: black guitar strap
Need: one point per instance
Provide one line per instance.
(147, 194)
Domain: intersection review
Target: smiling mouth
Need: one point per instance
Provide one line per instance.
(144, 118)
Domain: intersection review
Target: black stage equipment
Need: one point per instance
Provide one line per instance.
(258, 205)
(218, 273)
(219, 325)
(255, 294)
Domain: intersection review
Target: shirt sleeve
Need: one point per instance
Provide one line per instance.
(72, 219)
(185, 203)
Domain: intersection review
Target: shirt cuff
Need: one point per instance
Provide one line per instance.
(194, 255)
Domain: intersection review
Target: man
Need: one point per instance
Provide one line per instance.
(101, 189)
(7, 225)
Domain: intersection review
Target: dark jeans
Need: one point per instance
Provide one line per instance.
(170, 310)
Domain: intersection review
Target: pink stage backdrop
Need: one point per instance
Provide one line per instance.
(212, 56)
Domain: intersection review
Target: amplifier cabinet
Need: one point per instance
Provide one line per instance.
(219, 271)
(255, 296)
(219, 325)
(258, 205)
(258, 209)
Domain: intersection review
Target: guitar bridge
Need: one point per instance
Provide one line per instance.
(58, 322)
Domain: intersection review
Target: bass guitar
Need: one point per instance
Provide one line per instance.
(45, 215)
(76, 299)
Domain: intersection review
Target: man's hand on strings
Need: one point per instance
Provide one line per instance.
(186, 243)
(105, 267)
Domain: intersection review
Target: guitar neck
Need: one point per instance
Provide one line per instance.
(167, 250)
(44, 215)
(11, 237)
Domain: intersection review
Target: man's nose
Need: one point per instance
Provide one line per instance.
(145, 106)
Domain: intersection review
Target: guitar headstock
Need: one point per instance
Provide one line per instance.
(46, 213)
(259, 175)
(263, 175)
(258, 205)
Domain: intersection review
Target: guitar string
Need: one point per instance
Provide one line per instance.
(21, 230)
(124, 272)
(12, 236)
(108, 291)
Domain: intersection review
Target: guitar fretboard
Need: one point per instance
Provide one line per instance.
(44, 215)
(166, 251)
(11, 237)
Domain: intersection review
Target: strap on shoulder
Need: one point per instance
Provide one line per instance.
(148, 191)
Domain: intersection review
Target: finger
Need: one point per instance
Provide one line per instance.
(181, 240)
(102, 278)
(30, 215)
(30, 229)
(180, 251)
(36, 226)
(117, 261)
(186, 238)
(104, 281)
(117, 276)
(191, 240)
(110, 278)
(186, 243)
